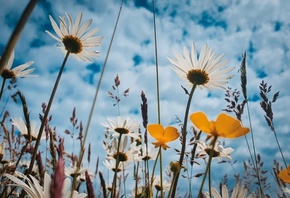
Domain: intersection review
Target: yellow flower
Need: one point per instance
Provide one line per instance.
(162, 135)
(225, 126)
(285, 175)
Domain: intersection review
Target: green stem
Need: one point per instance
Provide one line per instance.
(152, 176)
(254, 150)
(44, 119)
(161, 178)
(207, 168)
(182, 152)
(16, 34)
(156, 60)
(82, 151)
(2, 87)
(275, 134)
(114, 185)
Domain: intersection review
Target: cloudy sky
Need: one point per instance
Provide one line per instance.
(260, 28)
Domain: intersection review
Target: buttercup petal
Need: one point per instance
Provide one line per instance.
(170, 134)
(200, 120)
(156, 131)
(229, 127)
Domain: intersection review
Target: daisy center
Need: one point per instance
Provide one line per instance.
(212, 152)
(122, 157)
(122, 130)
(7, 73)
(72, 44)
(197, 76)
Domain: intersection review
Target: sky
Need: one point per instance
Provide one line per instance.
(259, 28)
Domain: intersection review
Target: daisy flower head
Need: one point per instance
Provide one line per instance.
(21, 126)
(218, 151)
(20, 71)
(225, 126)
(126, 153)
(205, 72)
(111, 165)
(162, 135)
(122, 127)
(75, 38)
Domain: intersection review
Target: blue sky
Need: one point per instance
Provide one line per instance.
(261, 28)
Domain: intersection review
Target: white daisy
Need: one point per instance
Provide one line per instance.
(150, 154)
(20, 71)
(21, 126)
(111, 165)
(75, 38)
(238, 192)
(124, 127)
(35, 190)
(72, 171)
(219, 151)
(126, 154)
(206, 72)
(157, 184)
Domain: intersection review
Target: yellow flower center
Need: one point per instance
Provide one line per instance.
(72, 44)
(197, 76)
(122, 130)
(7, 73)
(122, 157)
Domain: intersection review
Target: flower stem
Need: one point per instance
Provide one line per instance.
(114, 185)
(16, 33)
(182, 152)
(44, 119)
(82, 151)
(152, 176)
(207, 168)
(254, 159)
(161, 180)
(156, 62)
(2, 87)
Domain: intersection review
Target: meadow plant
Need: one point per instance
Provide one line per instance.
(35, 160)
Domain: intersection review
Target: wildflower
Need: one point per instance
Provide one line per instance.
(125, 154)
(206, 72)
(218, 151)
(284, 175)
(148, 154)
(111, 165)
(21, 126)
(157, 184)
(72, 171)
(225, 126)
(175, 167)
(238, 192)
(20, 71)
(35, 190)
(162, 135)
(122, 127)
(74, 38)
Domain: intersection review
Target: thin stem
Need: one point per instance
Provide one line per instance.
(280, 148)
(182, 152)
(113, 194)
(16, 33)
(207, 168)
(82, 151)
(156, 62)
(161, 180)
(254, 150)
(44, 119)
(2, 87)
(152, 176)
